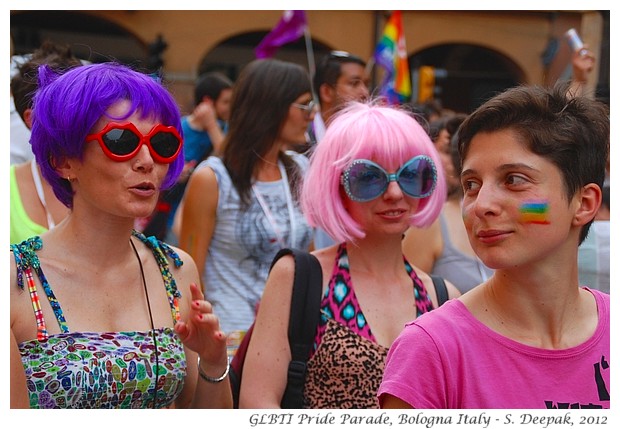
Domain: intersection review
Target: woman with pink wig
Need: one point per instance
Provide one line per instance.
(369, 289)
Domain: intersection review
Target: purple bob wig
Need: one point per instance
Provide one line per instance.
(386, 135)
(67, 106)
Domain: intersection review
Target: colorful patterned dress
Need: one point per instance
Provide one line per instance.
(100, 369)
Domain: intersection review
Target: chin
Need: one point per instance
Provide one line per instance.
(143, 210)
(398, 230)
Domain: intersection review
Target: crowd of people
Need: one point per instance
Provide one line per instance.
(142, 240)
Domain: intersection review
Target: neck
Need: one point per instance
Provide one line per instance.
(553, 318)
(380, 255)
(267, 168)
(94, 238)
(326, 115)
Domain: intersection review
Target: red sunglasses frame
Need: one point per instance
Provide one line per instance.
(144, 139)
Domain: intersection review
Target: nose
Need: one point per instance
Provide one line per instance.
(486, 202)
(143, 160)
(364, 92)
(393, 191)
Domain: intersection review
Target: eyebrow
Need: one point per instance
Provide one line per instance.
(503, 167)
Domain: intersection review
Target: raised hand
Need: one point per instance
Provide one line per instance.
(201, 331)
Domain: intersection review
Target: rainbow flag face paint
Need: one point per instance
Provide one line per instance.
(534, 212)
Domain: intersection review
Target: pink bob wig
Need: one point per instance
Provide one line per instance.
(67, 106)
(386, 135)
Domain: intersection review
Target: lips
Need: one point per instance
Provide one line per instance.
(144, 186)
(144, 189)
(392, 214)
(492, 235)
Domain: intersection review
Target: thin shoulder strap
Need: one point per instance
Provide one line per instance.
(27, 265)
(441, 289)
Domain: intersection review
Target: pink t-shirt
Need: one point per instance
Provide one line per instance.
(448, 359)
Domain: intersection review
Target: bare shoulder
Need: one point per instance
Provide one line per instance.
(201, 193)
(188, 261)
(186, 273)
(284, 268)
(203, 176)
(327, 259)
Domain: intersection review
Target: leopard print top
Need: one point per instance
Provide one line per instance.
(345, 347)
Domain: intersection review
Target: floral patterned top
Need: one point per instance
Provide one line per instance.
(137, 369)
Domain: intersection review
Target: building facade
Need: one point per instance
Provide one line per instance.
(477, 52)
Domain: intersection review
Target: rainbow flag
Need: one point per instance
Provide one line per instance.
(290, 28)
(534, 212)
(391, 54)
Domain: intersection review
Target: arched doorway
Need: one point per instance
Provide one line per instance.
(90, 38)
(467, 75)
(231, 55)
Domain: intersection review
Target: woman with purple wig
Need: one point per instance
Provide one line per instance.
(102, 316)
(374, 174)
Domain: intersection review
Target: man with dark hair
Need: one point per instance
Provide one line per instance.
(339, 77)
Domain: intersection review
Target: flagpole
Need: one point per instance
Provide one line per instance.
(310, 55)
(370, 70)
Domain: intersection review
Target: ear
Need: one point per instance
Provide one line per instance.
(28, 118)
(327, 94)
(65, 167)
(588, 201)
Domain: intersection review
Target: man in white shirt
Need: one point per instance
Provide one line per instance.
(339, 77)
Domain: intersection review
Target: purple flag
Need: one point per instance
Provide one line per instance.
(290, 28)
